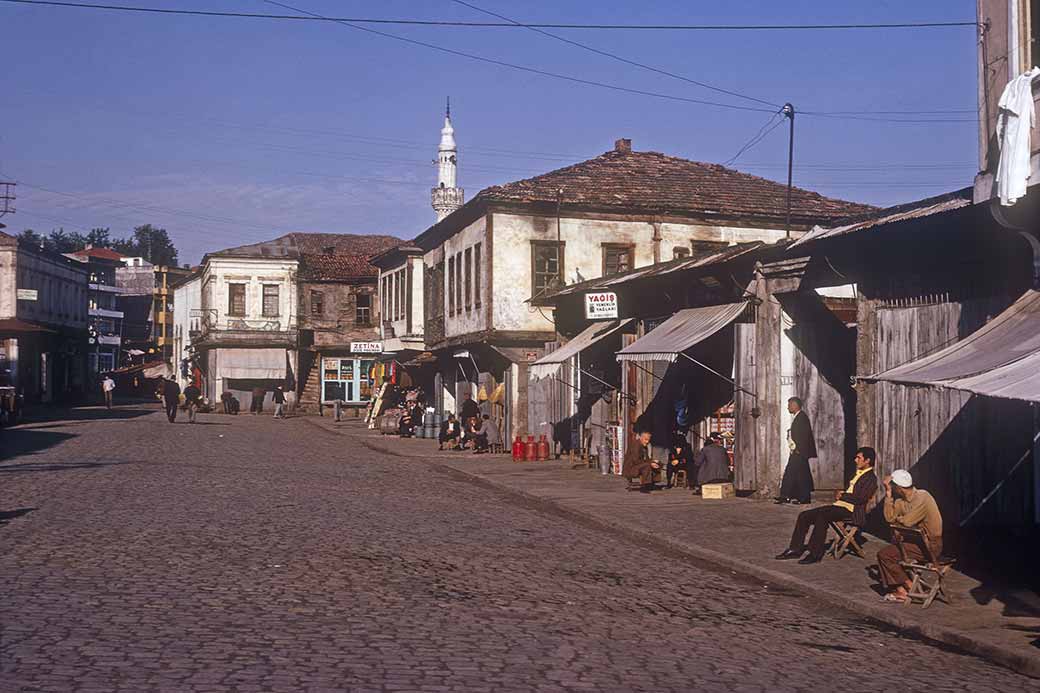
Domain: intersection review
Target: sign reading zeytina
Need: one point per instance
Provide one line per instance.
(366, 347)
(601, 305)
(26, 294)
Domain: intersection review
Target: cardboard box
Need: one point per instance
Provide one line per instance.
(718, 491)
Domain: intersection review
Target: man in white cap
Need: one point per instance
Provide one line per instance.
(914, 508)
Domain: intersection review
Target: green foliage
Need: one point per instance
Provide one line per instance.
(150, 242)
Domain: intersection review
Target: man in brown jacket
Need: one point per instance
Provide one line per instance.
(914, 508)
(638, 462)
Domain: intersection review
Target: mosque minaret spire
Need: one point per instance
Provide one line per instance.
(447, 197)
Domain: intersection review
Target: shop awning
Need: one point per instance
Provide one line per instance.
(15, 326)
(254, 364)
(680, 332)
(155, 370)
(1001, 359)
(550, 363)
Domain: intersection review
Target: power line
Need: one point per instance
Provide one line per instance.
(758, 137)
(504, 25)
(491, 61)
(619, 58)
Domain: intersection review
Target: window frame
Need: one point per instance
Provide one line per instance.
(619, 248)
(358, 308)
(467, 275)
(451, 285)
(476, 275)
(320, 303)
(232, 287)
(263, 300)
(680, 252)
(561, 255)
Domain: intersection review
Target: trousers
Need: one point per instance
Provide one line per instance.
(644, 471)
(888, 558)
(171, 409)
(279, 411)
(108, 399)
(819, 519)
(797, 483)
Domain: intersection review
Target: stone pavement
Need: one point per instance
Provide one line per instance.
(246, 554)
(744, 534)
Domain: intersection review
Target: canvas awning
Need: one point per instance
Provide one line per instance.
(550, 363)
(680, 332)
(252, 364)
(1000, 359)
(157, 370)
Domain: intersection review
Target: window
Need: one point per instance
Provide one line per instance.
(363, 310)
(237, 300)
(317, 302)
(270, 306)
(384, 300)
(400, 294)
(467, 263)
(617, 258)
(458, 282)
(679, 251)
(451, 286)
(546, 266)
(476, 275)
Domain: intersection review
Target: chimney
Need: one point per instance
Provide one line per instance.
(623, 145)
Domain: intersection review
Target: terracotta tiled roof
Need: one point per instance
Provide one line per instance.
(651, 181)
(293, 245)
(103, 253)
(338, 267)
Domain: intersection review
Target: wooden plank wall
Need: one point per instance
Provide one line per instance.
(746, 452)
(957, 445)
(767, 381)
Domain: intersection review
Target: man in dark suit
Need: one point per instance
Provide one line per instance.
(637, 463)
(849, 506)
(171, 393)
(797, 484)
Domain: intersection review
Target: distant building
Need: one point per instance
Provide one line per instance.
(279, 312)
(106, 320)
(43, 322)
(147, 304)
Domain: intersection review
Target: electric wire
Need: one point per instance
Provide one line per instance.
(504, 25)
(767, 128)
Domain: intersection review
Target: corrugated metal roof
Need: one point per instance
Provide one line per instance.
(905, 212)
(658, 270)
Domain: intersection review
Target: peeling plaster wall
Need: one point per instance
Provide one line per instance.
(475, 318)
(583, 252)
(220, 272)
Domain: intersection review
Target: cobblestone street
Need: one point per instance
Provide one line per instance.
(246, 554)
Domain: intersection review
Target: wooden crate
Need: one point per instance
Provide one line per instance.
(718, 491)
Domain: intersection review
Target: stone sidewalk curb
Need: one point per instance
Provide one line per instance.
(889, 615)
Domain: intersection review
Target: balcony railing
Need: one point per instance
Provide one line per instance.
(206, 324)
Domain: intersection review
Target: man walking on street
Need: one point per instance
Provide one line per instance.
(108, 386)
(192, 395)
(279, 403)
(797, 484)
(171, 392)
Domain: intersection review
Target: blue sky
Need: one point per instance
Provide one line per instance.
(230, 131)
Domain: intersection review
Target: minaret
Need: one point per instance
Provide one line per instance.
(446, 197)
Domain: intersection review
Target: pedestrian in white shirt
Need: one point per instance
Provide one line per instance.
(108, 386)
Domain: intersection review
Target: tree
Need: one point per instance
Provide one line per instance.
(99, 238)
(61, 241)
(151, 243)
(30, 238)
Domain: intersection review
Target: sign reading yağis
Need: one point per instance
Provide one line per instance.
(366, 347)
(601, 305)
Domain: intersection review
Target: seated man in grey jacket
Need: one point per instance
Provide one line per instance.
(711, 462)
(489, 435)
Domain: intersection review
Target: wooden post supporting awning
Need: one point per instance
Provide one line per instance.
(1001, 359)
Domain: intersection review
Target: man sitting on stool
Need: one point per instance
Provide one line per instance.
(712, 463)
(848, 506)
(913, 508)
(638, 462)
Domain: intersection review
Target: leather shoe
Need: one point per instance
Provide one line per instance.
(787, 555)
(780, 501)
(810, 559)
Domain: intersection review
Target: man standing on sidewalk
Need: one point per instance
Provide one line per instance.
(171, 393)
(279, 403)
(108, 386)
(797, 484)
(192, 395)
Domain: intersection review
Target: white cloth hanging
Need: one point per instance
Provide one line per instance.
(1016, 119)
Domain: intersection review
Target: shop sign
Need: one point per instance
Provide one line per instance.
(366, 347)
(26, 294)
(601, 305)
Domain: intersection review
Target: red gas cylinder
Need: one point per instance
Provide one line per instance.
(543, 448)
(518, 449)
(530, 449)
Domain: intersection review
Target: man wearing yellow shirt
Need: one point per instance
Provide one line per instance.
(914, 508)
(848, 506)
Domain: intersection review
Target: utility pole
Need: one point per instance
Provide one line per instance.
(6, 199)
(788, 111)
